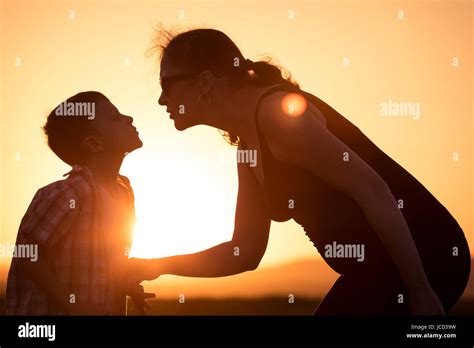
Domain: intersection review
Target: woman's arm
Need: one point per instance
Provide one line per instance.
(242, 253)
(306, 142)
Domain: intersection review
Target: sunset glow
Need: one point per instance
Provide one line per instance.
(361, 57)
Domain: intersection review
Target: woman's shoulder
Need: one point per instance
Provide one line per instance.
(285, 105)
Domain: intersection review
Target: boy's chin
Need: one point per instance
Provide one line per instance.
(136, 145)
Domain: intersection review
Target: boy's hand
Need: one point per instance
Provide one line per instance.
(139, 297)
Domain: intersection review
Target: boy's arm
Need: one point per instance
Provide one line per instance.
(133, 287)
(40, 272)
(49, 217)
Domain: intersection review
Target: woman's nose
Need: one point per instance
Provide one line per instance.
(161, 99)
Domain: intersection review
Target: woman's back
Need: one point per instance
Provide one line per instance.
(331, 218)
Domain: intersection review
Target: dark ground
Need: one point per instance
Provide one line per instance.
(235, 306)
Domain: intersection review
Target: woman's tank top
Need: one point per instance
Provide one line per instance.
(334, 222)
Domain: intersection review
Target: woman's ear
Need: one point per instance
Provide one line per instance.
(92, 144)
(206, 81)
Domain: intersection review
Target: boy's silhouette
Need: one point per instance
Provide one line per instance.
(82, 224)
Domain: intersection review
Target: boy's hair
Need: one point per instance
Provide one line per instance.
(65, 130)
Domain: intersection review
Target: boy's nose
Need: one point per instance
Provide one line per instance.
(129, 119)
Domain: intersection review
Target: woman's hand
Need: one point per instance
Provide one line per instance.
(142, 269)
(424, 301)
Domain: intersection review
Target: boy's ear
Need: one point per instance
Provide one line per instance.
(92, 144)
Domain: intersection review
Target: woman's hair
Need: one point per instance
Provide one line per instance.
(210, 49)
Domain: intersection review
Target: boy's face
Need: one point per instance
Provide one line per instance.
(116, 134)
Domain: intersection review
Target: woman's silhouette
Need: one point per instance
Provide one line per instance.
(320, 170)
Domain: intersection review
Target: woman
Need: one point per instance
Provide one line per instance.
(397, 248)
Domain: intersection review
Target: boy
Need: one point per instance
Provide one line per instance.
(82, 225)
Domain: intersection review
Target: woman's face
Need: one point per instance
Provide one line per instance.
(180, 94)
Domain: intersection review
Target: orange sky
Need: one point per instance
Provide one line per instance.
(354, 55)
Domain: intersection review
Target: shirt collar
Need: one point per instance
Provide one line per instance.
(78, 169)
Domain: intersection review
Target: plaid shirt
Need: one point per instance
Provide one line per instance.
(65, 220)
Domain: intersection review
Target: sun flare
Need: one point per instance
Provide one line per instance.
(179, 210)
